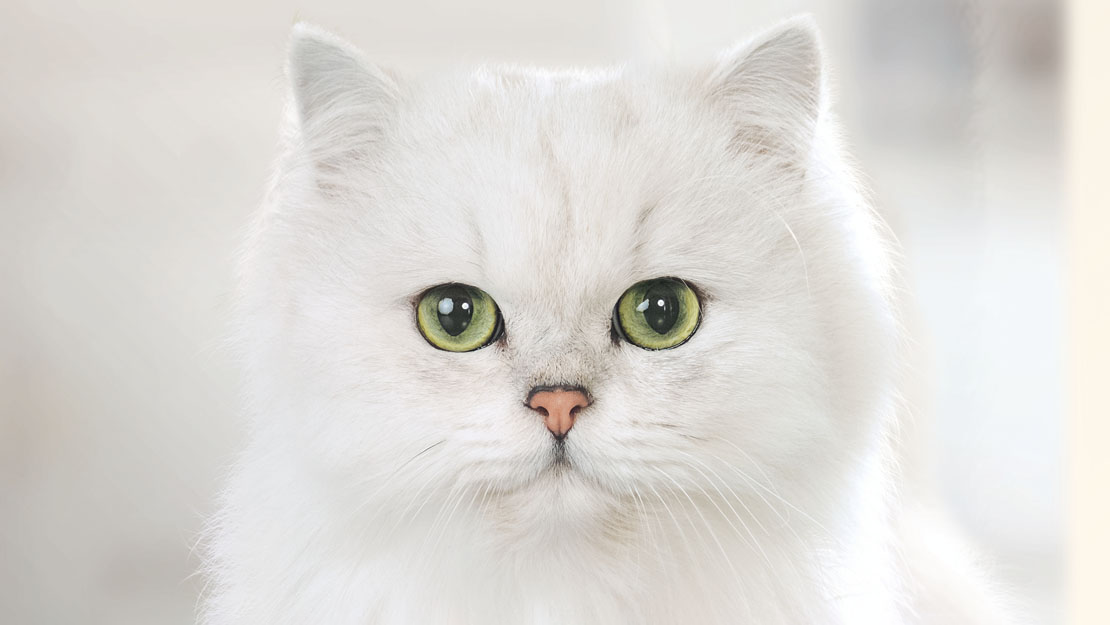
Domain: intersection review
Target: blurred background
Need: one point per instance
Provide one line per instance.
(136, 138)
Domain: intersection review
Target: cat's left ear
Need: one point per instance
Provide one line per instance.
(772, 88)
(343, 103)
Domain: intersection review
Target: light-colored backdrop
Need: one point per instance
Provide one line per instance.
(136, 137)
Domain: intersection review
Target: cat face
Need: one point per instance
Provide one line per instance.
(545, 197)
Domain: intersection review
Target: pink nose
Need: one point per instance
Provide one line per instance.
(559, 408)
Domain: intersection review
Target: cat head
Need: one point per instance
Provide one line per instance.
(566, 288)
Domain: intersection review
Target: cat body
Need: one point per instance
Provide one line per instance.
(746, 475)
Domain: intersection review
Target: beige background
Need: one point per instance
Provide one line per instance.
(1089, 308)
(135, 138)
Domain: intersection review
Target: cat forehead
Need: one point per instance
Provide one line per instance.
(587, 173)
(566, 116)
(518, 169)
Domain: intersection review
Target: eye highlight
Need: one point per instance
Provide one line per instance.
(458, 318)
(657, 314)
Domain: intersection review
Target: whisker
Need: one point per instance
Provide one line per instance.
(708, 526)
(754, 541)
(771, 492)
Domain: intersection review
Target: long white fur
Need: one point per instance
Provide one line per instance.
(748, 476)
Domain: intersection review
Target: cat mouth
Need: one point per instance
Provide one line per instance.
(560, 460)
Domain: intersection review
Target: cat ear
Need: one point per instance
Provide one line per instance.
(773, 89)
(343, 103)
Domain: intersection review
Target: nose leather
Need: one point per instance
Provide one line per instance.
(559, 407)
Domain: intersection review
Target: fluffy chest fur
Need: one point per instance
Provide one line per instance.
(740, 474)
(680, 557)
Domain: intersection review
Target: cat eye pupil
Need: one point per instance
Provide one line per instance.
(657, 314)
(458, 318)
(455, 310)
(660, 309)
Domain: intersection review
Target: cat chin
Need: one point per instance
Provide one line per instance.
(569, 475)
(559, 494)
(561, 504)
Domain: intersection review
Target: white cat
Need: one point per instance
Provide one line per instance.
(536, 347)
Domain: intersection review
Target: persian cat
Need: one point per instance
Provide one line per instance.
(560, 347)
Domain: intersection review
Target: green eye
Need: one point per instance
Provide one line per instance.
(458, 318)
(657, 314)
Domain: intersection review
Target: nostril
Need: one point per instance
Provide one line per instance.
(558, 406)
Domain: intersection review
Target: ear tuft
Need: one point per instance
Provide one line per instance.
(343, 103)
(327, 72)
(773, 86)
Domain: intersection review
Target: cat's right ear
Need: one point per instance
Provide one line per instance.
(343, 103)
(772, 88)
